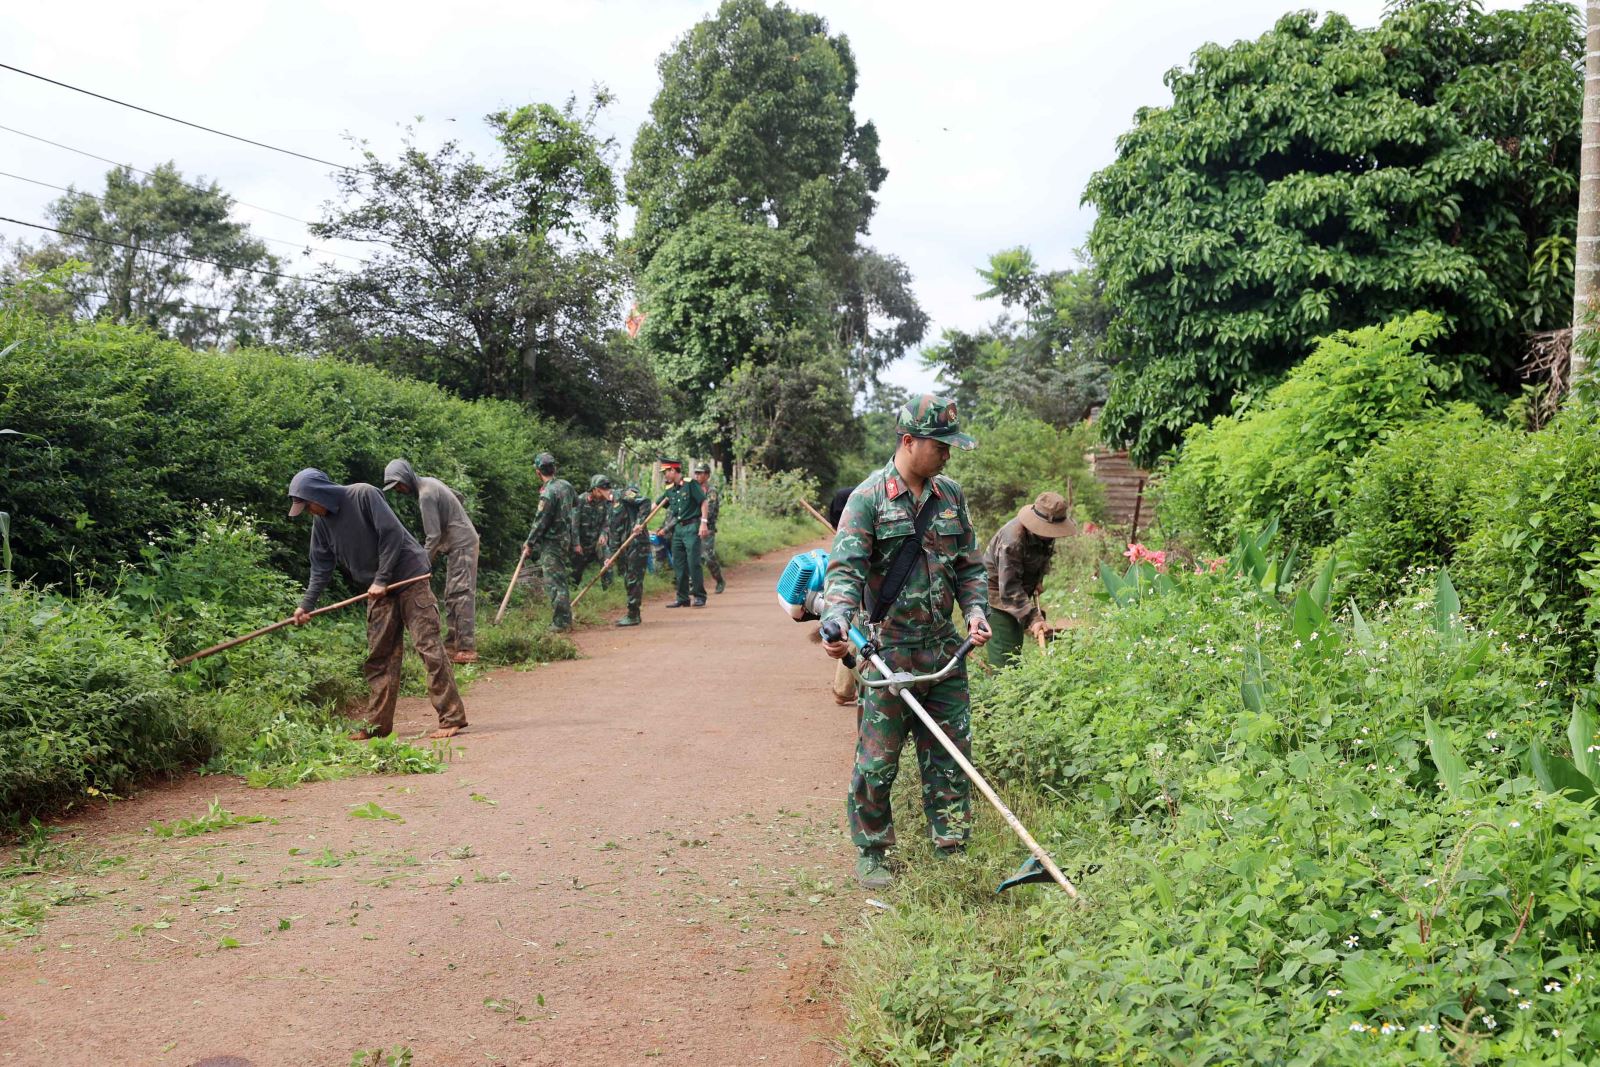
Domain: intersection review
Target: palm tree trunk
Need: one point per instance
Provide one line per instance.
(1586, 257)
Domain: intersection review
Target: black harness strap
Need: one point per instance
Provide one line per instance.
(905, 557)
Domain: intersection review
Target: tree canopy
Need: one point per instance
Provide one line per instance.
(1323, 177)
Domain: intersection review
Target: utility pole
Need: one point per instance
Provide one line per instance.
(1586, 257)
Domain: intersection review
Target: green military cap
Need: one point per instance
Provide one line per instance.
(543, 460)
(600, 481)
(932, 416)
(702, 467)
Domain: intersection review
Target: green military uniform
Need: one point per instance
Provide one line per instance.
(683, 506)
(916, 635)
(554, 532)
(629, 510)
(708, 543)
(592, 518)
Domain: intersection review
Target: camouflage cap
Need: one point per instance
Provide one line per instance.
(702, 467)
(934, 417)
(600, 481)
(544, 460)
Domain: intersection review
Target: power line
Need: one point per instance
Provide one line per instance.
(146, 173)
(172, 118)
(101, 199)
(159, 252)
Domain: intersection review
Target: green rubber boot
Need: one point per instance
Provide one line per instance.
(628, 620)
(871, 870)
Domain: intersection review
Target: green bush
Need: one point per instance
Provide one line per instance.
(1289, 455)
(1414, 498)
(85, 707)
(143, 431)
(1018, 458)
(1319, 846)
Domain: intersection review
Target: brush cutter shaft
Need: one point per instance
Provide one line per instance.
(253, 634)
(966, 765)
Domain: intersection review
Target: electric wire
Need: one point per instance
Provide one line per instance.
(159, 252)
(275, 240)
(146, 173)
(181, 122)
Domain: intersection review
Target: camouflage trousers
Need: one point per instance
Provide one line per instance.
(555, 567)
(686, 563)
(882, 725)
(592, 557)
(461, 598)
(708, 553)
(632, 567)
(413, 608)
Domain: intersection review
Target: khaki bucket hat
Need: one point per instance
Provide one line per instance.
(1047, 516)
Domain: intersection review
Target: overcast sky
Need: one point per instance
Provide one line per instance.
(992, 116)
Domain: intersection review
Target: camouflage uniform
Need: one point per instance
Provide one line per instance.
(1017, 562)
(917, 635)
(628, 511)
(592, 516)
(708, 543)
(554, 532)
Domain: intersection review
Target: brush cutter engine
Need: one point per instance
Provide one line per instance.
(800, 585)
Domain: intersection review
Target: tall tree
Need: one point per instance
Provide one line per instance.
(493, 278)
(1325, 177)
(163, 252)
(755, 115)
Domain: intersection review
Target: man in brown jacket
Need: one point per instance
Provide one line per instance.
(1017, 559)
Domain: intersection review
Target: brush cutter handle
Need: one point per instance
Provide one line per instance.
(831, 631)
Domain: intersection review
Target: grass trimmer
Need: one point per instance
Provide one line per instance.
(1040, 867)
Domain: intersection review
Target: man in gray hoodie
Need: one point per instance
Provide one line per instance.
(448, 531)
(354, 528)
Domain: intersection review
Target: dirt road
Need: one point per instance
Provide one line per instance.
(635, 857)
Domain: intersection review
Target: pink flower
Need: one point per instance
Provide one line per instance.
(1216, 564)
(1090, 528)
(1157, 558)
(1135, 552)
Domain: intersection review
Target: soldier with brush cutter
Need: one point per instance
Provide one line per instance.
(354, 528)
(910, 506)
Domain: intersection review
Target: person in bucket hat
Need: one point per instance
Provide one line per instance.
(915, 633)
(1017, 559)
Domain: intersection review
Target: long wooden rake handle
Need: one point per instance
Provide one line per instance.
(253, 634)
(642, 523)
(815, 514)
(505, 600)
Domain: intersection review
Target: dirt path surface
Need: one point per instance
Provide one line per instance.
(635, 857)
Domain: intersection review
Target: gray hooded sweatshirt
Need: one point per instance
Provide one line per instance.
(359, 534)
(444, 520)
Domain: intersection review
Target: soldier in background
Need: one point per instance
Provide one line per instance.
(628, 513)
(554, 537)
(708, 541)
(594, 509)
(686, 513)
(915, 633)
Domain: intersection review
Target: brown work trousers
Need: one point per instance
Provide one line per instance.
(413, 608)
(461, 598)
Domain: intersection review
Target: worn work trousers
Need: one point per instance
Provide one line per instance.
(708, 552)
(413, 608)
(461, 598)
(1005, 644)
(882, 725)
(686, 563)
(555, 567)
(844, 684)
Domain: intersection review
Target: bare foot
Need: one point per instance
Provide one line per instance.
(464, 657)
(362, 735)
(445, 731)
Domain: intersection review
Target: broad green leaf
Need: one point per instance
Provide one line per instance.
(1585, 746)
(1268, 532)
(1446, 605)
(1322, 588)
(1558, 775)
(1363, 632)
(1111, 580)
(1306, 618)
(1252, 686)
(1452, 769)
(1286, 572)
